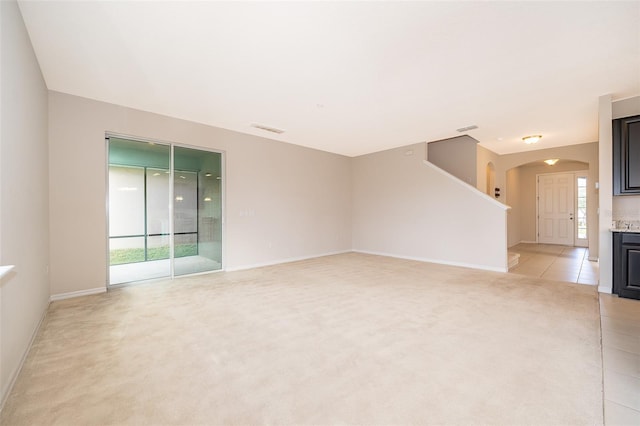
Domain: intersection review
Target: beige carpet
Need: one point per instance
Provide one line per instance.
(347, 339)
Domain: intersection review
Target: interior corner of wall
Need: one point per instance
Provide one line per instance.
(605, 289)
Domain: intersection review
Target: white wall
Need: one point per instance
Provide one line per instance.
(457, 156)
(626, 207)
(405, 208)
(605, 152)
(282, 201)
(512, 199)
(24, 231)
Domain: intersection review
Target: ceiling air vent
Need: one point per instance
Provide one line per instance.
(466, 129)
(267, 128)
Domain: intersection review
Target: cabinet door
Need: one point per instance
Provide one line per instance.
(626, 155)
(617, 262)
(630, 285)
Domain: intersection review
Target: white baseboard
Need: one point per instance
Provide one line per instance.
(14, 375)
(62, 296)
(439, 261)
(605, 289)
(592, 285)
(522, 242)
(286, 260)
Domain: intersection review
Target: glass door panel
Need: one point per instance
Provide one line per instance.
(197, 211)
(139, 191)
(582, 238)
(158, 220)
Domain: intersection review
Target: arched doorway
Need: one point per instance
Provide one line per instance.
(530, 193)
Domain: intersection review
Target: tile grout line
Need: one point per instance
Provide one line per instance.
(618, 403)
(556, 257)
(578, 279)
(554, 261)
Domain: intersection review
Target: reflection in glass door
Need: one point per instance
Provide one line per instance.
(145, 241)
(197, 211)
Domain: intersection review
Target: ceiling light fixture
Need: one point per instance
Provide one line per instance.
(531, 139)
(551, 161)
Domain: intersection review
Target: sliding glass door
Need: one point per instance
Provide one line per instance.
(165, 210)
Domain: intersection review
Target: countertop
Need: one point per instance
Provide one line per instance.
(625, 225)
(634, 231)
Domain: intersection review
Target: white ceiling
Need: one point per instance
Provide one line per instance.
(350, 77)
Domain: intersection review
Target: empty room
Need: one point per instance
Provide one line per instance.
(319, 213)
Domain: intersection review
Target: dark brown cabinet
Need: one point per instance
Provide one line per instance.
(626, 264)
(626, 155)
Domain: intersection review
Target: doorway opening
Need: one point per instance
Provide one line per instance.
(164, 210)
(527, 224)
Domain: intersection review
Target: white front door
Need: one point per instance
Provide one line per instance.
(556, 201)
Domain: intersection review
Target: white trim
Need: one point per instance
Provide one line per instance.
(592, 259)
(286, 260)
(593, 285)
(438, 261)
(522, 242)
(223, 208)
(172, 219)
(107, 243)
(605, 289)
(613, 101)
(464, 184)
(62, 296)
(14, 376)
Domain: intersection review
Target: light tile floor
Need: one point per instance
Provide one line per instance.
(554, 262)
(620, 324)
